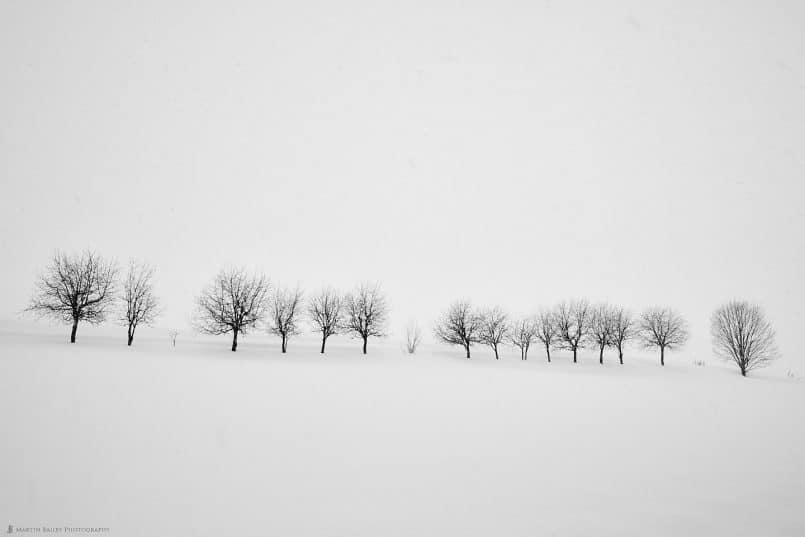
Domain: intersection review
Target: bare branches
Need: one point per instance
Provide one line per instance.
(173, 334)
(234, 302)
(139, 302)
(75, 288)
(326, 312)
(494, 329)
(600, 328)
(366, 312)
(662, 328)
(522, 334)
(546, 331)
(623, 330)
(460, 325)
(284, 314)
(572, 324)
(413, 336)
(741, 334)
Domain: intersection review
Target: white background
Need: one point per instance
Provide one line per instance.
(516, 153)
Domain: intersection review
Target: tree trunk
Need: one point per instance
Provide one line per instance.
(662, 356)
(365, 339)
(467, 347)
(574, 355)
(496, 354)
(323, 341)
(284, 344)
(75, 327)
(234, 340)
(620, 356)
(131, 334)
(548, 350)
(601, 355)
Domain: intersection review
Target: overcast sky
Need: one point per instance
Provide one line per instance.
(515, 153)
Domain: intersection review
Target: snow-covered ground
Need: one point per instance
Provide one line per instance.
(199, 441)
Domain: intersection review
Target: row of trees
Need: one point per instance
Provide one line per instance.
(571, 326)
(739, 330)
(85, 288)
(237, 302)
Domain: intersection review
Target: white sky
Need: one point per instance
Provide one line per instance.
(515, 153)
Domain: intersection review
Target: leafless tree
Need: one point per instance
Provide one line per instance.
(413, 336)
(662, 328)
(173, 334)
(522, 334)
(283, 314)
(234, 302)
(75, 288)
(546, 330)
(494, 329)
(326, 312)
(741, 334)
(139, 302)
(600, 332)
(366, 312)
(623, 330)
(460, 325)
(573, 324)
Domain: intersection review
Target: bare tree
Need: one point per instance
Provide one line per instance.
(75, 288)
(522, 334)
(284, 314)
(460, 325)
(662, 328)
(326, 312)
(366, 312)
(173, 334)
(600, 332)
(413, 336)
(546, 330)
(141, 306)
(741, 334)
(234, 302)
(572, 324)
(623, 330)
(494, 329)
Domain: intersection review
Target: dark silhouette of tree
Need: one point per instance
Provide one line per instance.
(75, 288)
(234, 302)
(139, 302)
(366, 312)
(326, 312)
(460, 325)
(600, 328)
(284, 315)
(741, 334)
(662, 328)
(546, 331)
(623, 330)
(494, 329)
(572, 324)
(522, 334)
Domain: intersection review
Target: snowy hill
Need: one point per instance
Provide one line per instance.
(196, 440)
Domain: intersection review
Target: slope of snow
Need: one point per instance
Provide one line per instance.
(197, 440)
